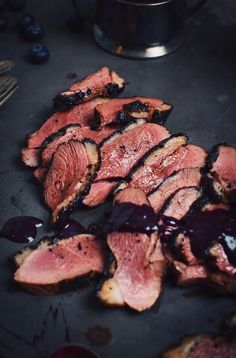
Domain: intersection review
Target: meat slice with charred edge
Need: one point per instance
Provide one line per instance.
(139, 268)
(104, 83)
(179, 204)
(48, 266)
(73, 167)
(121, 152)
(74, 131)
(221, 167)
(122, 110)
(188, 177)
(82, 114)
(161, 161)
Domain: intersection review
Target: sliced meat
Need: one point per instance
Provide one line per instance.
(180, 202)
(123, 109)
(221, 165)
(44, 268)
(205, 346)
(139, 263)
(104, 83)
(121, 152)
(99, 192)
(81, 114)
(188, 177)
(187, 275)
(161, 161)
(40, 174)
(72, 132)
(219, 259)
(74, 166)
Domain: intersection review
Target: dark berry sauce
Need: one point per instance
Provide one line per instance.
(21, 229)
(73, 351)
(206, 227)
(68, 227)
(128, 217)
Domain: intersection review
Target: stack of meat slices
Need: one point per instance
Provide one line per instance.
(98, 148)
(82, 153)
(203, 247)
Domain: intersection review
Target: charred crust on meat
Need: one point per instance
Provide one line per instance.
(112, 89)
(136, 106)
(209, 187)
(160, 116)
(168, 201)
(89, 92)
(213, 155)
(64, 101)
(141, 161)
(117, 133)
(123, 118)
(62, 131)
(77, 201)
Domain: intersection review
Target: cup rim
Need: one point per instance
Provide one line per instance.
(133, 3)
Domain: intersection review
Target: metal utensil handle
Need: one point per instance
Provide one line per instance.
(195, 7)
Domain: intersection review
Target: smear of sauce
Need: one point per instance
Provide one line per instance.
(128, 217)
(21, 229)
(99, 335)
(71, 75)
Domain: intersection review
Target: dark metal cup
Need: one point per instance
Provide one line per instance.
(141, 29)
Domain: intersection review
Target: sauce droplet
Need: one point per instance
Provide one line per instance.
(99, 335)
(73, 351)
(21, 229)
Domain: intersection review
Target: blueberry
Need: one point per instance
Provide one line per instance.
(34, 32)
(75, 22)
(39, 54)
(16, 5)
(3, 5)
(3, 23)
(24, 21)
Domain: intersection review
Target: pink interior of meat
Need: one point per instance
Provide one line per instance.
(119, 156)
(184, 178)
(93, 81)
(67, 173)
(138, 279)
(65, 260)
(225, 167)
(151, 175)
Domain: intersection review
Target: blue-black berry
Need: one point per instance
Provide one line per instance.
(3, 23)
(34, 32)
(39, 54)
(75, 22)
(3, 5)
(16, 5)
(24, 21)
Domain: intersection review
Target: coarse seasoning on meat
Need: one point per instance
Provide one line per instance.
(44, 268)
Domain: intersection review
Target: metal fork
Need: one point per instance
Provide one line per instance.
(6, 65)
(8, 85)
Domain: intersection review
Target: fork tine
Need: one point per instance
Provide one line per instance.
(3, 99)
(7, 84)
(6, 65)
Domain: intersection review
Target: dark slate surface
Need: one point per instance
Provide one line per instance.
(199, 80)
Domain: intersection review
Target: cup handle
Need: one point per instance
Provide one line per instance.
(195, 7)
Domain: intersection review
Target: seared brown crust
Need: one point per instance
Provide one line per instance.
(51, 289)
(110, 88)
(78, 198)
(183, 137)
